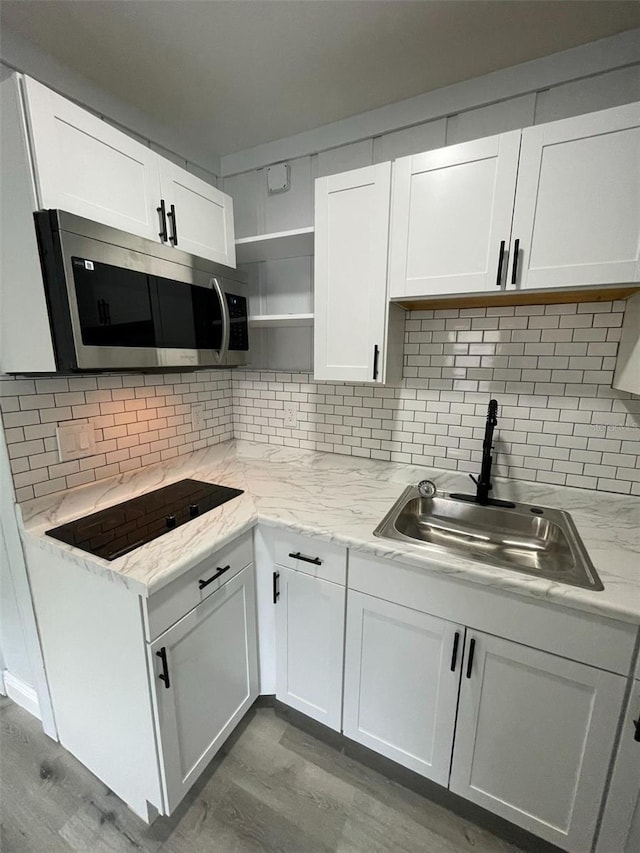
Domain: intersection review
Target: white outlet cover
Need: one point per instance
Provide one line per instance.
(290, 414)
(75, 440)
(197, 416)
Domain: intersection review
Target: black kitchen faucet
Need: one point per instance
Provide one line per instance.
(483, 482)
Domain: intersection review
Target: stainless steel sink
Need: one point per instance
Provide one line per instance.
(535, 540)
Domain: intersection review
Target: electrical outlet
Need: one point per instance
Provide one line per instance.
(75, 440)
(290, 414)
(197, 416)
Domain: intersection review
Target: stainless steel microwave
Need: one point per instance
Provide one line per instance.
(120, 302)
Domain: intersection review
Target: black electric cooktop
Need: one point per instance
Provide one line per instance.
(114, 531)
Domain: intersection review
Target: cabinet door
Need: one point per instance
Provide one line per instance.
(202, 216)
(350, 280)
(534, 738)
(402, 671)
(89, 168)
(577, 211)
(208, 683)
(309, 645)
(620, 829)
(451, 214)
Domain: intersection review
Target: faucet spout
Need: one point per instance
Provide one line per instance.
(483, 484)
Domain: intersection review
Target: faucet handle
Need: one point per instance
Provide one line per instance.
(475, 479)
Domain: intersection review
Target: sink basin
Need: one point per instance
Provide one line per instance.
(535, 540)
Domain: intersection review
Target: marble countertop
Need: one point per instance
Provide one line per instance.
(342, 499)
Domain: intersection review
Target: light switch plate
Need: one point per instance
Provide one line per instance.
(197, 416)
(75, 440)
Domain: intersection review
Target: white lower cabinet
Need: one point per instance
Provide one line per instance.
(620, 828)
(309, 644)
(402, 671)
(534, 738)
(205, 678)
(527, 734)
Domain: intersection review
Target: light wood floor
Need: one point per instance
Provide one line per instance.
(275, 789)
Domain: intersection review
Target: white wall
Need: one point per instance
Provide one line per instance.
(172, 142)
(12, 636)
(588, 78)
(530, 78)
(24, 678)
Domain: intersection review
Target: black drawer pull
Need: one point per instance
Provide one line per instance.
(276, 587)
(454, 653)
(472, 648)
(171, 216)
(514, 269)
(162, 234)
(315, 560)
(636, 724)
(164, 675)
(202, 584)
(500, 263)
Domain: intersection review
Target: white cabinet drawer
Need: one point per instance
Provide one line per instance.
(312, 556)
(586, 637)
(172, 602)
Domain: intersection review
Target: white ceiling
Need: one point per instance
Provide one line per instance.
(238, 73)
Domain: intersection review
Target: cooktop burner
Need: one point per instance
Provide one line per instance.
(115, 531)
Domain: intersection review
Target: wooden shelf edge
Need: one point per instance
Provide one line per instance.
(517, 297)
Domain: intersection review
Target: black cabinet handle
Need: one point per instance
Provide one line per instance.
(164, 675)
(162, 234)
(276, 587)
(376, 353)
(514, 270)
(636, 736)
(454, 653)
(472, 648)
(500, 263)
(202, 584)
(171, 216)
(315, 560)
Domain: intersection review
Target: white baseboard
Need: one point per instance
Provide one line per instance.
(21, 693)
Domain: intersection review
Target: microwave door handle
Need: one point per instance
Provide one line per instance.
(226, 321)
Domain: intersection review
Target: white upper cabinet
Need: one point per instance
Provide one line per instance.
(556, 205)
(534, 738)
(350, 280)
(452, 212)
(87, 167)
(199, 216)
(577, 211)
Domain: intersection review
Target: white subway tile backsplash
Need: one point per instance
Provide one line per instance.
(545, 364)
(549, 366)
(136, 418)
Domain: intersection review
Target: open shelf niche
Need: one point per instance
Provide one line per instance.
(280, 268)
